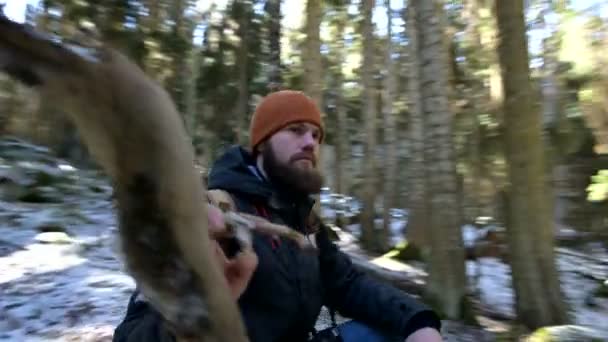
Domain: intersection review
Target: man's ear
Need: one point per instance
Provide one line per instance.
(261, 147)
(256, 151)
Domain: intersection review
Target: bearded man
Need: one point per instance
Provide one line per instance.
(280, 287)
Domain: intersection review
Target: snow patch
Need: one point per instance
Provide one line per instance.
(497, 293)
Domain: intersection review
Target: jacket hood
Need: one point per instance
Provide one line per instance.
(235, 171)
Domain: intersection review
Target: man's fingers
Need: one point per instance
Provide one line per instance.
(246, 259)
(217, 224)
(219, 254)
(242, 265)
(239, 270)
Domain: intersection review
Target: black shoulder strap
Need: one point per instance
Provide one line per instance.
(332, 310)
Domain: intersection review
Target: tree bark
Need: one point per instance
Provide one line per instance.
(190, 94)
(369, 237)
(241, 108)
(489, 39)
(418, 222)
(273, 10)
(447, 279)
(530, 231)
(390, 139)
(313, 84)
(342, 137)
(111, 20)
(151, 28)
(475, 167)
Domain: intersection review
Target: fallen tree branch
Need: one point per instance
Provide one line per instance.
(404, 282)
(398, 279)
(570, 252)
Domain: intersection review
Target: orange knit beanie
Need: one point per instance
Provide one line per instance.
(280, 109)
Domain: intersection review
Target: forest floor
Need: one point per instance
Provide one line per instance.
(61, 279)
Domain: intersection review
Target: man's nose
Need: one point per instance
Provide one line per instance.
(310, 141)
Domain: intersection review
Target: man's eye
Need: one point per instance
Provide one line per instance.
(296, 129)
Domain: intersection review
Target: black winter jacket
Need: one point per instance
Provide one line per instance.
(289, 286)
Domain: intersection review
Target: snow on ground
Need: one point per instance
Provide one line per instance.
(496, 291)
(397, 229)
(65, 290)
(60, 279)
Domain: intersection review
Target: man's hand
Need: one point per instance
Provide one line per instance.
(237, 270)
(425, 335)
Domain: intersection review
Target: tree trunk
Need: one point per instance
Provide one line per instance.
(342, 145)
(313, 84)
(151, 28)
(475, 165)
(44, 111)
(273, 10)
(111, 21)
(551, 87)
(446, 286)
(486, 93)
(530, 232)
(390, 139)
(342, 137)
(179, 48)
(369, 235)
(471, 17)
(190, 94)
(553, 123)
(206, 151)
(475, 170)
(489, 39)
(418, 221)
(241, 108)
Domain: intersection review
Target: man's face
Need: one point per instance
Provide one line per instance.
(291, 156)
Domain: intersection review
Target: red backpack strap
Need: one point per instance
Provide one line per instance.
(261, 210)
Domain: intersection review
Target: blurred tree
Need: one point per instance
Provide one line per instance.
(111, 18)
(593, 94)
(273, 18)
(243, 14)
(153, 32)
(177, 44)
(390, 139)
(191, 99)
(477, 121)
(313, 68)
(530, 230)
(338, 20)
(54, 128)
(370, 238)
(231, 68)
(418, 221)
(446, 284)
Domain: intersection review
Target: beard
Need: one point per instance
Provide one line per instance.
(288, 177)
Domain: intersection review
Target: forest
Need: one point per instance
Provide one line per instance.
(465, 157)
